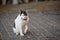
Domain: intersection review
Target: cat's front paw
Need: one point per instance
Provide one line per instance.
(16, 33)
(22, 34)
(25, 32)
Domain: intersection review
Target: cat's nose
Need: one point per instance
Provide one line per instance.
(25, 18)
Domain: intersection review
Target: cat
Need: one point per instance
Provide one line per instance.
(21, 23)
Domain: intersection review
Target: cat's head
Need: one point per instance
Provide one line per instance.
(23, 15)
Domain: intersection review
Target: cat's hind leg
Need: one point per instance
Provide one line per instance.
(15, 31)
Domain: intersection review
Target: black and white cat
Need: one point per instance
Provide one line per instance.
(21, 22)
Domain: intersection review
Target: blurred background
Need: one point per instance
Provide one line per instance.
(40, 5)
(44, 19)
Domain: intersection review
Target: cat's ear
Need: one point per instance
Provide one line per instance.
(27, 12)
(20, 12)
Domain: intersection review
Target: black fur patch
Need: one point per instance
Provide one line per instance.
(25, 14)
(14, 24)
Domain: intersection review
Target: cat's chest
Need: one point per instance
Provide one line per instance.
(20, 22)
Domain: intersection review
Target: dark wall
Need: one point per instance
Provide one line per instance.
(0, 1)
(41, 0)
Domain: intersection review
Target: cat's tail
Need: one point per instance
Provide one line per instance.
(14, 30)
